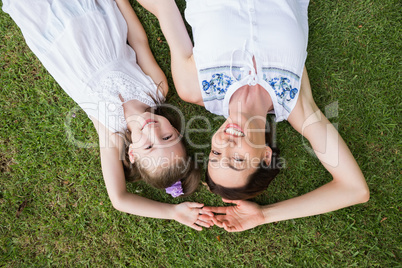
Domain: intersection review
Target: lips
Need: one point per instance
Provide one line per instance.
(234, 130)
(148, 122)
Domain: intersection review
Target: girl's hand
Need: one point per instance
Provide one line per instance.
(244, 215)
(192, 215)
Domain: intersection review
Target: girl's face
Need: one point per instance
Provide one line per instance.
(155, 142)
(237, 149)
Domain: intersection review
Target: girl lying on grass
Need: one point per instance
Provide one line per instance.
(248, 60)
(83, 45)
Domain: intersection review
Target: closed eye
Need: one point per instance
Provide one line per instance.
(148, 147)
(167, 138)
(215, 152)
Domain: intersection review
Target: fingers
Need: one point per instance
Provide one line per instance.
(204, 212)
(219, 220)
(195, 227)
(225, 225)
(220, 210)
(230, 229)
(205, 217)
(203, 223)
(217, 223)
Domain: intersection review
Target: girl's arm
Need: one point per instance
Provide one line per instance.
(138, 40)
(348, 186)
(112, 168)
(181, 48)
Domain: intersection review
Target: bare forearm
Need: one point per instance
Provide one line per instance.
(187, 213)
(113, 174)
(332, 196)
(138, 40)
(136, 33)
(150, 67)
(172, 25)
(142, 206)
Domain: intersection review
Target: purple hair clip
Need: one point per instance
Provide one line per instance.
(175, 190)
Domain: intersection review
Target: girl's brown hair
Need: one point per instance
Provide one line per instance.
(183, 169)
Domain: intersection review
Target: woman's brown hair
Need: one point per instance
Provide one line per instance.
(258, 181)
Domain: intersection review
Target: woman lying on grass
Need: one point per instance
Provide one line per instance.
(83, 44)
(247, 61)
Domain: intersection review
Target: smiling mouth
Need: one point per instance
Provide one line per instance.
(148, 122)
(234, 130)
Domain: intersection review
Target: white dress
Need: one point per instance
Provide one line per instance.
(83, 45)
(228, 34)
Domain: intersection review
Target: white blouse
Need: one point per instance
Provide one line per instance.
(83, 45)
(229, 33)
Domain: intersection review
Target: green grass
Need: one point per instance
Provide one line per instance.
(66, 218)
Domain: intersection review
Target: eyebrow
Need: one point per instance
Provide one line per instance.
(232, 167)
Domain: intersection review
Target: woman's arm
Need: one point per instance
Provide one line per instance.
(348, 186)
(186, 213)
(181, 48)
(138, 40)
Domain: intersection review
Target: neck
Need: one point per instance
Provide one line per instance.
(133, 109)
(250, 100)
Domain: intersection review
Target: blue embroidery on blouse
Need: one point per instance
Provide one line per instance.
(218, 85)
(283, 89)
(284, 71)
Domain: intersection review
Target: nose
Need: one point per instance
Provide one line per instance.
(153, 133)
(224, 140)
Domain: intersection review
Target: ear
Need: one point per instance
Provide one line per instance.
(178, 132)
(267, 155)
(131, 154)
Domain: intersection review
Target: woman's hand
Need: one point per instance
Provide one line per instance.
(244, 215)
(192, 215)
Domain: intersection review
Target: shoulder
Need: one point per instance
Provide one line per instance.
(107, 138)
(305, 109)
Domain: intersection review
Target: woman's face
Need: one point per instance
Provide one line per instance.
(155, 142)
(237, 149)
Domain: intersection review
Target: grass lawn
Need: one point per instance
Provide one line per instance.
(55, 211)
